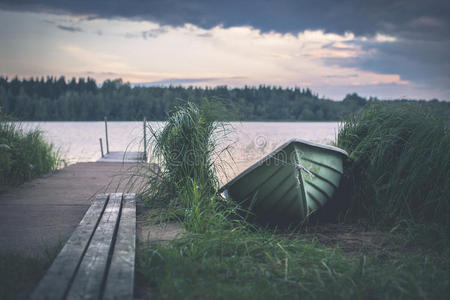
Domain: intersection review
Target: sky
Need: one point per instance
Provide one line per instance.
(381, 48)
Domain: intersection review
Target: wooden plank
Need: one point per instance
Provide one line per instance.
(128, 156)
(88, 281)
(57, 279)
(120, 278)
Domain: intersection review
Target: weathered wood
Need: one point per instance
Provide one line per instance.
(106, 134)
(123, 157)
(98, 260)
(57, 279)
(120, 278)
(88, 281)
(145, 140)
(101, 146)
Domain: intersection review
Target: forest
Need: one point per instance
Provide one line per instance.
(59, 99)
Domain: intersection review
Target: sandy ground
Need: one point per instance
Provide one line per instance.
(44, 212)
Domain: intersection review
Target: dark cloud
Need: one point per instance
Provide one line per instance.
(69, 28)
(428, 19)
(422, 27)
(147, 34)
(153, 33)
(419, 61)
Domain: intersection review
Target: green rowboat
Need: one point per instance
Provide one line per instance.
(292, 182)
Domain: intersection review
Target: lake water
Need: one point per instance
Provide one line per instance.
(248, 141)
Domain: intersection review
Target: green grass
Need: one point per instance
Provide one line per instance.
(259, 265)
(23, 154)
(399, 164)
(186, 145)
(187, 151)
(205, 211)
(222, 256)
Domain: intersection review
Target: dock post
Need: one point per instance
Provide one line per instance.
(101, 146)
(106, 133)
(145, 140)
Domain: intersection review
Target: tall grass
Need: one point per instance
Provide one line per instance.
(186, 145)
(400, 164)
(220, 256)
(186, 149)
(23, 154)
(242, 264)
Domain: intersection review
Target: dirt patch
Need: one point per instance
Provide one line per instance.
(150, 232)
(351, 239)
(355, 239)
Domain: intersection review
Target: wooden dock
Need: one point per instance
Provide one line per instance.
(125, 157)
(98, 260)
(43, 212)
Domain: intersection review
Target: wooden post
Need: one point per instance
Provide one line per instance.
(101, 146)
(145, 140)
(106, 133)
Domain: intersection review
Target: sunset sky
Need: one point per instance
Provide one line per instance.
(388, 49)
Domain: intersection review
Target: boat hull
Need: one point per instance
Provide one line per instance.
(290, 183)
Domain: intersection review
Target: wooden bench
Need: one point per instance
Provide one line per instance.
(98, 259)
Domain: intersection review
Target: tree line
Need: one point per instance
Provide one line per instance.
(58, 99)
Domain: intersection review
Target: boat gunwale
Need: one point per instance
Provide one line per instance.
(275, 152)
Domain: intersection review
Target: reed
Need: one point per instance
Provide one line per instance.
(188, 152)
(221, 256)
(399, 164)
(23, 154)
(186, 145)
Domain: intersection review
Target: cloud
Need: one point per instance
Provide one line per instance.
(92, 58)
(153, 33)
(183, 81)
(147, 34)
(102, 73)
(69, 28)
(421, 25)
(423, 62)
(235, 56)
(398, 17)
(342, 76)
(405, 38)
